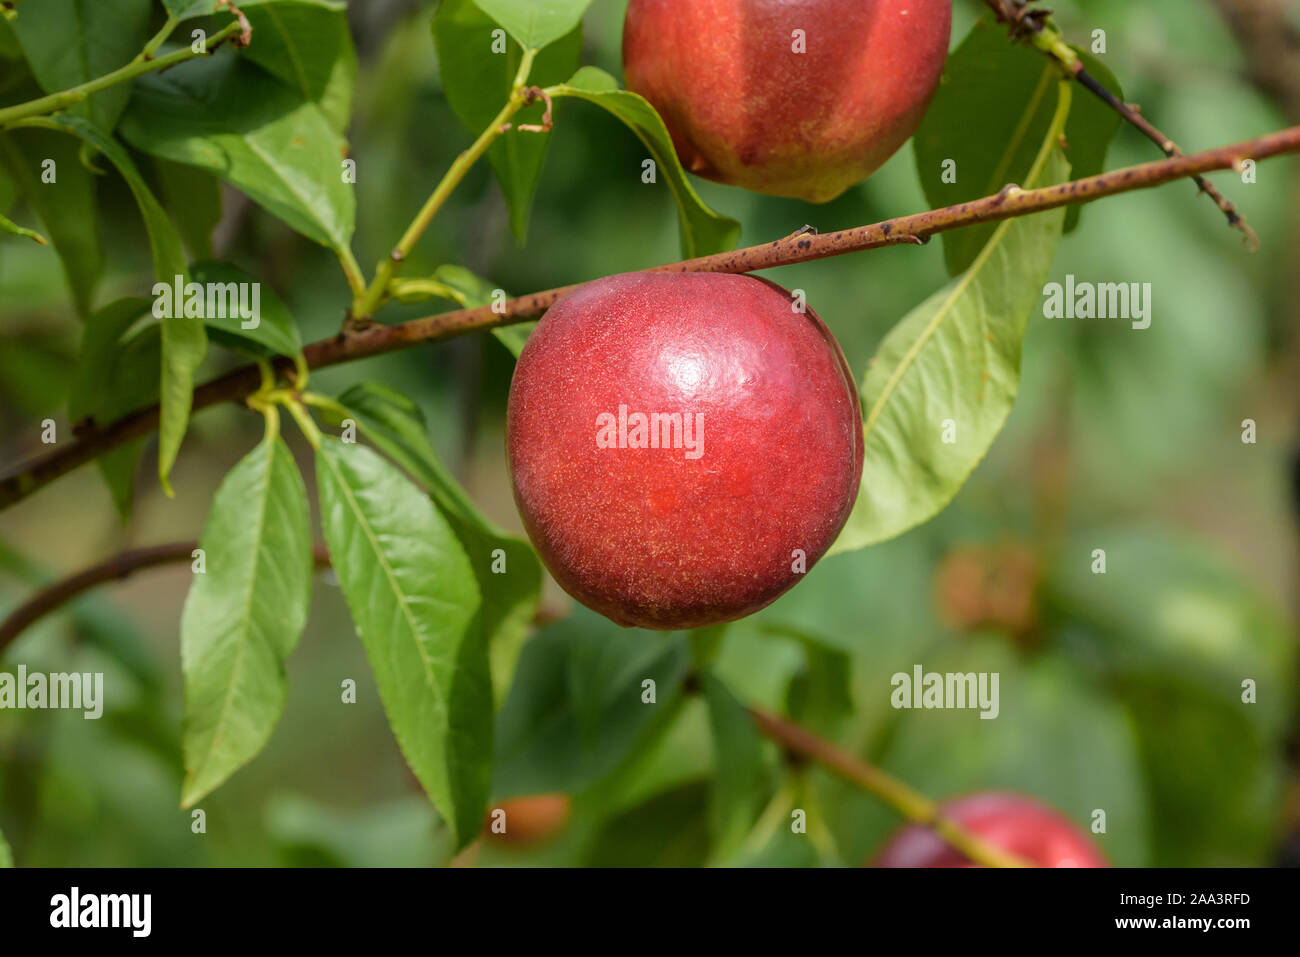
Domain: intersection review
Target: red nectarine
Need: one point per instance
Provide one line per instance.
(800, 98)
(682, 446)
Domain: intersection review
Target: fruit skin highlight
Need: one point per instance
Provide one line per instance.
(743, 108)
(682, 537)
(1015, 823)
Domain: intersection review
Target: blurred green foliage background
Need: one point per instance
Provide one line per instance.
(1120, 692)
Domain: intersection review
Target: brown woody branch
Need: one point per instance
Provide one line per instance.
(1027, 24)
(1132, 114)
(116, 568)
(362, 341)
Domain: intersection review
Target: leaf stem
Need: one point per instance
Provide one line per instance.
(272, 413)
(352, 270)
(55, 102)
(325, 403)
(415, 290)
(365, 304)
(158, 39)
(305, 422)
(907, 801)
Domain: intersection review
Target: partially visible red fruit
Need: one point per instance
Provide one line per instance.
(530, 820)
(738, 500)
(745, 108)
(1016, 824)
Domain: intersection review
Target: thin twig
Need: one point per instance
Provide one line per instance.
(116, 568)
(1131, 113)
(137, 67)
(910, 803)
(371, 298)
(375, 338)
(1035, 27)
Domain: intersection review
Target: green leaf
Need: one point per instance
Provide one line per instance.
(6, 855)
(164, 242)
(193, 196)
(8, 188)
(66, 206)
(1169, 609)
(739, 788)
(308, 47)
(536, 23)
(230, 116)
(702, 230)
(471, 290)
(183, 339)
(95, 397)
(705, 643)
(182, 9)
(581, 712)
(954, 359)
(669, 830)
(992, 111)
(36, 367)
(276, 332)
(69, 42)
(515, 337)
(116, 375)
(477, 82)
(1218, 781)
(676, 749)
(185, 9)
(397, 832)
(243, 616)
(508, 572)
(415, 604)
(9, 48)
(819, 697)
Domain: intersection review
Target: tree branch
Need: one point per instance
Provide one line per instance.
(374, 338)
(913, 805)
(116, 568)
(1035, 27)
